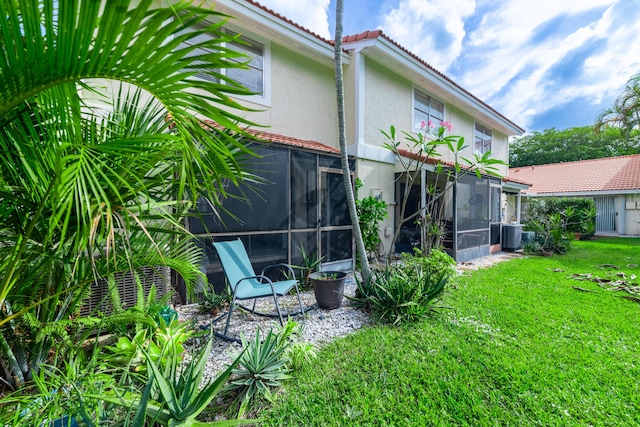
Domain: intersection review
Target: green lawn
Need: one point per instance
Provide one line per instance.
(519, 346)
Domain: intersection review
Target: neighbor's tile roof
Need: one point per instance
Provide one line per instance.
(609, 174)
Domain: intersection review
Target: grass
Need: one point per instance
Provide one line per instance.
(519, 347)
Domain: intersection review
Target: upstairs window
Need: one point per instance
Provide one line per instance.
(483, 138)
(426, 108)
(252, 76)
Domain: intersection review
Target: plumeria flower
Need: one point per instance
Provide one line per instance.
(447, 125)
(424, 125)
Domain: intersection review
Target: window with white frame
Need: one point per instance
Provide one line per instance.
(483, 139)
(252, 76)
(426, 108)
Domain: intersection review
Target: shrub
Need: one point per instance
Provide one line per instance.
(438, 263)
(371, 211)
(578, 214)
(400, 296)
(556, 221)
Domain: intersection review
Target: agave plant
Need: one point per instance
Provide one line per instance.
(398, 296)
(176, 396)
(261, 367)
(88, 193)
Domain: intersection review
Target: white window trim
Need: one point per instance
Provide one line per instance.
(265, 98)
(415, 127)
(475, 149)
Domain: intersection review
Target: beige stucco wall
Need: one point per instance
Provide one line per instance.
(303, 99)
(378, 179)
(387, 102)
(632, 215)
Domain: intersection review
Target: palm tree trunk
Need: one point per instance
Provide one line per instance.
(342, 136)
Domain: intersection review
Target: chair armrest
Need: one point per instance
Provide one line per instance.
(270, 267)
(260, 278)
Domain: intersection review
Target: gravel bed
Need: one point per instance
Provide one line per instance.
(318, 326)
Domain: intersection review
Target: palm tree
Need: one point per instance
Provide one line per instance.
(89, 192)
(351, 203)
(625, 111)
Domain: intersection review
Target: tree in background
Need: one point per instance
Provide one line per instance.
(572, 144)
(625, 111)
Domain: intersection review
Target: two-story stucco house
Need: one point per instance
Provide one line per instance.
(303, 203)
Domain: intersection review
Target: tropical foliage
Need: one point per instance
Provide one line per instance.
(105, 144)
(414, 152)
(556, 222)
(572, 144)
(263, 366)
(401, 295)
(624, 114)
(371, 211)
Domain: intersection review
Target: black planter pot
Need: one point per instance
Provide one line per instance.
(328, 286)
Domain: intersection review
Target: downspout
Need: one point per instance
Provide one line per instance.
(359, 75)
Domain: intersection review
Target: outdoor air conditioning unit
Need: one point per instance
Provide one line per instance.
(511, 236)
(99, 300)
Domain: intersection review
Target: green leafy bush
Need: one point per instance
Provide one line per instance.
(578, 214)
(437, 263)
(161, 346)
(56, 394)
(400, 296)
(371, 211)
(557, 221)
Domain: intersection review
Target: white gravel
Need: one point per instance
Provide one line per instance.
(318, 326)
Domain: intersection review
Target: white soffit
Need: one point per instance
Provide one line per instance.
(278, 30)
(405, 65)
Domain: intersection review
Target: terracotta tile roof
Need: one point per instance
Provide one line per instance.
(609, 174)
(430, 160)
(372, 35)
(287, 20)
(509, 178)
(434, 161)
(262, 136)
(295, 142)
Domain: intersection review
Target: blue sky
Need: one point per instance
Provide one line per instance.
(541, 63)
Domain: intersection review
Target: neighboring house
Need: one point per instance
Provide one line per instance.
(304, 204)
(614, 184)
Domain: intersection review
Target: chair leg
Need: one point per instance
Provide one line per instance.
(300, 302)
(233, 303)
(275, 300)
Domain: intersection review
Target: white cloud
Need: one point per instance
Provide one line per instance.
(311, 14)
(524, 68)
(432, 29)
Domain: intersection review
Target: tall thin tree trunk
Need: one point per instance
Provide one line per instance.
(351, 201)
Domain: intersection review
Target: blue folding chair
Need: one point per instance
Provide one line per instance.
(246, 284)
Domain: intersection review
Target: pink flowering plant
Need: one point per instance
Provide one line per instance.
(417, 150)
